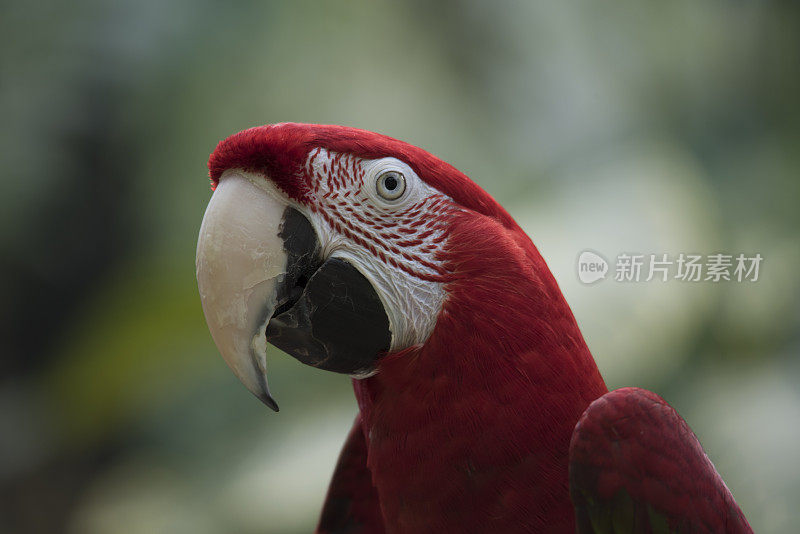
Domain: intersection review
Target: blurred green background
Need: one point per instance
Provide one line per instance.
(618, 126)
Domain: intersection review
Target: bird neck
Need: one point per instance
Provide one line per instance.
(471, 430)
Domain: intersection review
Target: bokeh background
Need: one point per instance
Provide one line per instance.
(616, 126)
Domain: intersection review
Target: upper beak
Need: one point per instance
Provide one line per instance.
(240, 262)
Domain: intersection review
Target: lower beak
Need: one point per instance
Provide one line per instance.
(262, 278)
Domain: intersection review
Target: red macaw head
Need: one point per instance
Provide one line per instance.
(339, 245)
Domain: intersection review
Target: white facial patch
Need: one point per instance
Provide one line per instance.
(396, 244)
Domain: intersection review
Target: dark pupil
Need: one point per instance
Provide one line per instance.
(390, 183)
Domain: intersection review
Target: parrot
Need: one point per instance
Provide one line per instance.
(480, 407)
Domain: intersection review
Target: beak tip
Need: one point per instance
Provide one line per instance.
(267, 399)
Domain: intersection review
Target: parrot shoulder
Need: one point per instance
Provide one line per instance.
(636, 466)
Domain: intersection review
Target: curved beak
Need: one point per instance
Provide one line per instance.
(240, 262)
(262, 279)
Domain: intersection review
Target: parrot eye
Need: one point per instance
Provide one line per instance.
(391, 185)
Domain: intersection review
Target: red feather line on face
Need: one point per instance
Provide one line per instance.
(338, 206)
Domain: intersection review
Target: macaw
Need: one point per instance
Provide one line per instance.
(481, 408)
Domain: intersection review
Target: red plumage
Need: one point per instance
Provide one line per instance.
(351, 504)
(470, 432)
(631, 450)
(280, 150)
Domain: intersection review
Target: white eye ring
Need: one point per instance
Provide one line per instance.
(391, 184)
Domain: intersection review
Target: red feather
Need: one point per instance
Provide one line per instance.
(351, 504)
(280, 150)
(631, 450)
(470, 432)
